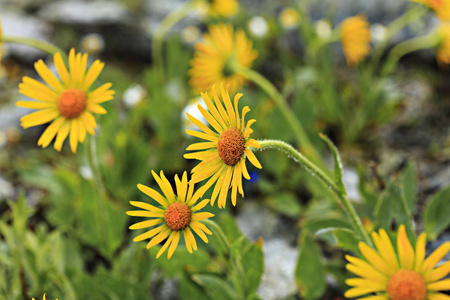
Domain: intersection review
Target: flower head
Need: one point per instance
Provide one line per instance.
(403, 276)
(226, 148)
(440, 7)
(289, 17)
(216, 53)
(443, 51)
(174, 215)
(220, 8)
(67, 102)
(355, 39)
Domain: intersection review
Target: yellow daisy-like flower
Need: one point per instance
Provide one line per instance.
(355, 39)
(443, 51)
(406, 276)
(176, 214)
(223, 155)
(440, 7)
(289, 17)
(67, 102)
(220, 48)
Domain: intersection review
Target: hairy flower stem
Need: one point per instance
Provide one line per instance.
(158, 37)
(41, 45)
(317, 172)
(94, 165)
(220, 233)
(305, 144)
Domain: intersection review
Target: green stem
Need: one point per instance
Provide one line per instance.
(158, 37)
(38, 44)
(416, 12)
(220, 233)
(94, 165)
(403, 48)
(305, 144)
(317, 172)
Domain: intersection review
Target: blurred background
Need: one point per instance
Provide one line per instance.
(48, 216)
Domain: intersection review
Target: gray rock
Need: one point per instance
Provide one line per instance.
(6, 189)
(84, 12)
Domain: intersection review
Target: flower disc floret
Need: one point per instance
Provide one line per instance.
(71, 103)
(231, 146)
(177, 216)
(406, 285)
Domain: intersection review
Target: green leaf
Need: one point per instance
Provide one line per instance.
(340, 237)
(437, 211)
(181, 260)
(189, 290)
(286, 204)
(253, 265)
(229, 227)
(216, 288)
(309, 273)
(390, 210)
(337, 163)
(408, 178)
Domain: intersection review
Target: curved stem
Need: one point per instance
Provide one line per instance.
(317, 172)
(220, 233)
(267, 86)
(414, 44)
(158, 37)
(38, 44)
(416, 12)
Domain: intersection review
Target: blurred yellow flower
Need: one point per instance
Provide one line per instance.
(289, 17)
(68, 103)
(355, 39)
(443, 51)
(212, 61)
(176, 214)
(222, 8)
(223, 155)
(440, 7)
(406, 275)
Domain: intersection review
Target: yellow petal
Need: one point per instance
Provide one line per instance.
(35, 105)
(252, 158)
(435, 257)
(50, 132)
(405, 249)
(146, 206)
(146, 224)
(420, 252)
(61, 68)
(39, 117)
(166, 244)
(92, 74)
(149, 234)
(153, 194)
(442, 285)
(159, 237)
(74, 135)
(174, 244)
(48, 76)
(62, 134)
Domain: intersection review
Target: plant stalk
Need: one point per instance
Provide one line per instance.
(38, 44)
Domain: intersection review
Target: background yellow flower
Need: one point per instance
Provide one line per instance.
(355, 39)
(443, 51)
(220, 48)
(67, 103)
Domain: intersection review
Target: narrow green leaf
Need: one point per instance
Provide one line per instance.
(253, 265)
(309, 273)
(216, 288)
(337, 163)
(437, 211)
(340, 237)
(409, 180)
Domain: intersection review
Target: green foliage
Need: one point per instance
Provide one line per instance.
(309, 273)
(437, 211)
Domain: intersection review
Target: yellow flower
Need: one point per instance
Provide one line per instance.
(406, 276)
(443, 51)
(440, 7)
(211, 62)
(289, 17)
(222, 8)
(355, 39)
(176, 214)
(43, 298)
(68, 102)
(223, 155)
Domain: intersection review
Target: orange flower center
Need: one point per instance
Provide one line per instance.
(177, 216)
(231, 146)
(71, 103)
(406, 285)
